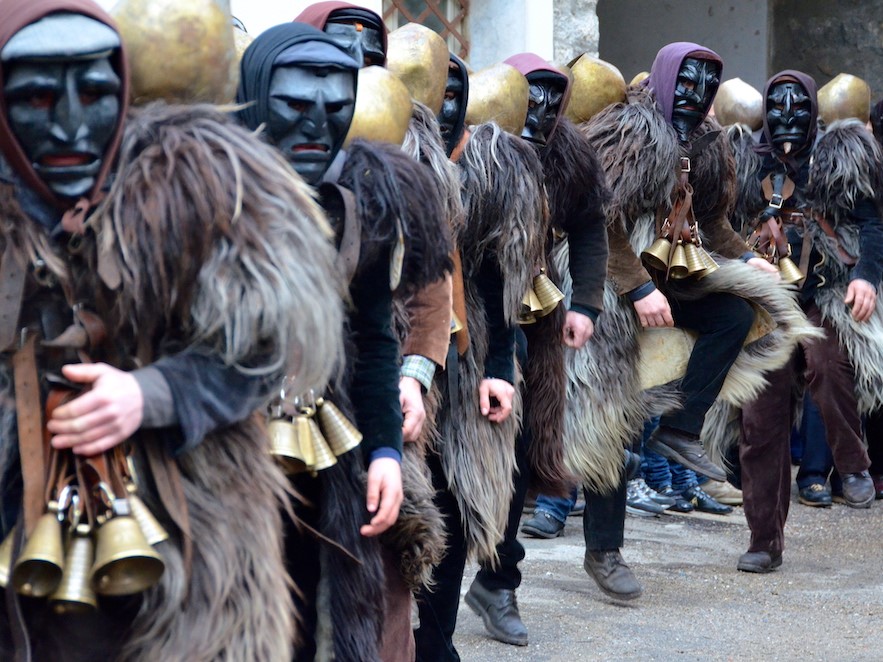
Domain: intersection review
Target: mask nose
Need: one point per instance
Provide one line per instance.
(788, 111)
(68, 122)
(315, 123)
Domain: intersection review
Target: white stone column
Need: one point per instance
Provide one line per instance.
(500, 28)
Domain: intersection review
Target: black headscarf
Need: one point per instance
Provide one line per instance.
(460, 125)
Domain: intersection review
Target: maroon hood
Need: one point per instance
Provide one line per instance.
(16, 15)
(809, 84)
(663, 77)
(320, 13)
(528, 63)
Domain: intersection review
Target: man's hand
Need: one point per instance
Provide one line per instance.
(653, 310)
(862, 296)
(762, 265)
(106, 415)
(384, 495)
(502, 391)
(411, 399)
(578, 328)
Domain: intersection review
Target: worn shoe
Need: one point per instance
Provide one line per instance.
(639, 500)
(814, 495)
(499, 611)
(761, 562)
(542, 525)
(612, 574)
(704, 503)
(663, 500)
(858, 490)
(723, 492)
(682, 448)
(681, 504)
(878, 487)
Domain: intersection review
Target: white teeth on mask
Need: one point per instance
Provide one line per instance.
(786, 148)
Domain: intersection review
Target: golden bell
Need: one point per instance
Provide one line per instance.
(843, 97)
(153, 531)
(124, 562)
(656, 256)
(531, 302)
(596, 85)
(290, 444)
(419, 57)
(323, 456)
(338, 431)
(456, 323)
(74, 594)
(383, 107)
(547, 292)
(695, 263)
(737, 102)
(38, 570)
(499, 93)
(788, 271)
(6, 558)
(677, 269)
(710, 265)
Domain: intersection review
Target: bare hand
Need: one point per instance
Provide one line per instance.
(862, 296)
(413, 411)
(500, 389)
(106, 415)
(762, 265)
(578, 328)
(653, 310)
(385, 489)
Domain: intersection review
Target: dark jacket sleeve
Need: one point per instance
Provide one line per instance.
(375, 387)
(500, 361)
(588, 263)
(870, 262)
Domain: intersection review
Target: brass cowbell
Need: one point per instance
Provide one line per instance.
(710, 265)
(38, 570)
(657, 255)
(323, 456)
(6, 558)
(678, 267)
(788, 271)
(289, 443)
(695, 263)
(124, 562)
(153, 531)
(339, 432)
(547, 292)
(74, 594)
(530, 307)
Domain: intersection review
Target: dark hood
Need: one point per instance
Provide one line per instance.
(319, 14)
(460, 126)
(809, 84)
(528, 63)
(663, 77)
(17, 14)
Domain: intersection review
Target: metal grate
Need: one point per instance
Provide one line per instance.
(447, 17)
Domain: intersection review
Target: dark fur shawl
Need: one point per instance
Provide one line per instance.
(749, 196)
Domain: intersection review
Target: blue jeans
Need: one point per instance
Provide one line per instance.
(658, 472)
(557, 507)
(817, 460)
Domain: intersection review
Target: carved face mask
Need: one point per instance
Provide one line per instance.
(789, 113)
(546, 94)
(64, 114)
(310, 112)
(697, 84)
(362, 42)
(450, 119)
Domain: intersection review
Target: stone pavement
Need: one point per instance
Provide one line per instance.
(824, 603)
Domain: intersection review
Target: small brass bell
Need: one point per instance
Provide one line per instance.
(678, 267)
(456, 323)
(38, 570)
(789, 272)
(74, 594)
(547, 292)
(695, 263)
(710, 265)
(656, 256)
(339, 432)
(323, 456)
(124, 562)
(6, 558)
(153, 531)
(530, 307)
(290, 444)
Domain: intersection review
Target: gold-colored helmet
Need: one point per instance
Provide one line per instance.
(737, 102)
(498, 93)
(843, 97)
(596, 85)
(383, 107)
(419, 57)
(178, 50)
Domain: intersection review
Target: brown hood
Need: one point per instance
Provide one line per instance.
(529, 63)
(319, 13)
(16, 15)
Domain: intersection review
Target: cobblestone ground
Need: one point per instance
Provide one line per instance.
(824, 603)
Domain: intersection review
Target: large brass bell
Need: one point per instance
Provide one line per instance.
(657, 255)
(74, 594)
(339, 432)
(547, 292)
(6, 558)
(531, 307)
(153, 531)
(289, 444)
(695, 263)
(124, 562)
(38, 570)
(677, 269)
(323, 456)
(788, 271)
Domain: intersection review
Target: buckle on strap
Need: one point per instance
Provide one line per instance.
(776, 201)
(685, 164)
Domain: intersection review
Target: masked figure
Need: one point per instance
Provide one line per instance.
(187, 315)
(379, 186)
(358, 31)
(819, 196)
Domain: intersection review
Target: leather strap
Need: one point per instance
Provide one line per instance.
(30, 432)
(805, 251)
(459, 303)
(12, 287)
(452, 370)
(170, 489)
(350, 247)
(848, 259)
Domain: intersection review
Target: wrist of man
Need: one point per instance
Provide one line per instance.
(642, 291)
(588, 311)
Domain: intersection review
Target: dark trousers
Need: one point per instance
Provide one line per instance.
(766, 427)
(817, 459)
(874, 433)
(722, 321)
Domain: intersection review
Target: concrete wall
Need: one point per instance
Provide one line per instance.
(632, 31)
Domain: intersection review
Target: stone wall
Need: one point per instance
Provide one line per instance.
(576, 29)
